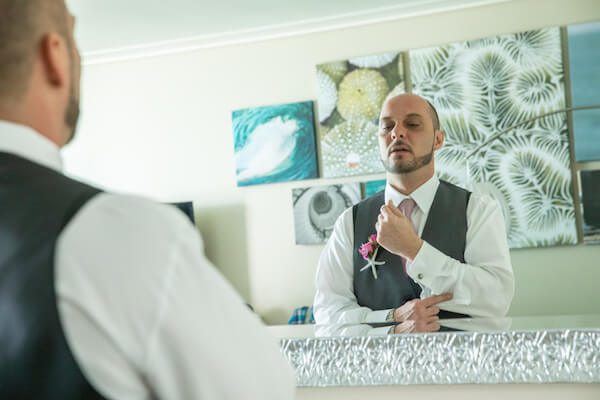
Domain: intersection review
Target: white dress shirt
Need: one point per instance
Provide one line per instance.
(483, 286)
(145, 313)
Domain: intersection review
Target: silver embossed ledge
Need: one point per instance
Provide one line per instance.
(446, 358)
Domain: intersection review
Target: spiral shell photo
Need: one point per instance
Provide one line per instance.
(317, 208)
(350, 96)
(485, 86)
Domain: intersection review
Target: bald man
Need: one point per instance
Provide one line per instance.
(443, 250)
(103, 295)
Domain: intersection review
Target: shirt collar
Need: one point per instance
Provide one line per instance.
(423, 195)
(23, 141)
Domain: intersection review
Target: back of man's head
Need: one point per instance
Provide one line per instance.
(23, 23)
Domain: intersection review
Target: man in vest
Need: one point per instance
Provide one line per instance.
(102, 295)
(442, 251)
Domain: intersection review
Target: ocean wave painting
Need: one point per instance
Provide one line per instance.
(275, 144)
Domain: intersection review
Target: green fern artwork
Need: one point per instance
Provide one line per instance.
(484, 86)
(350, 96)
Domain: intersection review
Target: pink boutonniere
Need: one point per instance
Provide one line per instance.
(368, 251)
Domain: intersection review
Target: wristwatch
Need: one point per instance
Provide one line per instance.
(390, 316)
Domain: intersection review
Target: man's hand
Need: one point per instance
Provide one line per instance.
(396, 233)
(420, 315)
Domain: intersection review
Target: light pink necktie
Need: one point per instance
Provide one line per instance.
(407, 206)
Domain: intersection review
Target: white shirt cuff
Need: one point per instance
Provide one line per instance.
(384, 330)
(377, 316)
(429, 266)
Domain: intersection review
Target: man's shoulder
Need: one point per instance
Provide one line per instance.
(133, 214)
(484, 199)
(481, 197)
(451, 186)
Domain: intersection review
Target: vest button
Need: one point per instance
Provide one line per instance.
(420, 276)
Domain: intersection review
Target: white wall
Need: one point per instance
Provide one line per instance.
(161, 127)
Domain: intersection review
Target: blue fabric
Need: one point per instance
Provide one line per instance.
(302, 315)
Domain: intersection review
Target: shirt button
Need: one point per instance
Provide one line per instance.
(420, 276)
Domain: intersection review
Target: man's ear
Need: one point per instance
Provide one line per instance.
(438, 139)
(55, 59)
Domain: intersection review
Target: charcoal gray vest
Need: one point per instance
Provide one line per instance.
(36, 203)
(445, 229)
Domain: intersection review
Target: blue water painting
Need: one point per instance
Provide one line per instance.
(275, 144)
(373, 187)
(584, 58)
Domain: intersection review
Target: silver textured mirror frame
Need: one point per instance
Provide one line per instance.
(542, 356)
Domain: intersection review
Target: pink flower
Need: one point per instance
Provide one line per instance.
(367, 249)
(369, 253)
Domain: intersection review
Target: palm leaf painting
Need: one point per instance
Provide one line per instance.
(484, 86)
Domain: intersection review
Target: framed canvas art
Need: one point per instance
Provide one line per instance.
(317, 208)
(584, 57)
(485, 86)
(274, 144)
(590, 205)
(350, 95)
(372, 187)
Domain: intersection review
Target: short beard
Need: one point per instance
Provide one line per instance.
(415, 164)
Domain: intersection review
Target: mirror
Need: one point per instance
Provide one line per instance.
(205, 83)
(466, 325)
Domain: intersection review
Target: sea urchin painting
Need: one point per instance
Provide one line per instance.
(350, 96)
(275, 143)
(484, 86)
(317, 208)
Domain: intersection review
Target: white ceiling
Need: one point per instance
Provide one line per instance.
(115, 29)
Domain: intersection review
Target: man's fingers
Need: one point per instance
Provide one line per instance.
(433, 310)
(433, 327)
(393, 209)
(437, 299)
(426, 326)
(384, 212)
(427, 313)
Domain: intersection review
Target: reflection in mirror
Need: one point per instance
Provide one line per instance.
(466, 325)
(510, 148)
